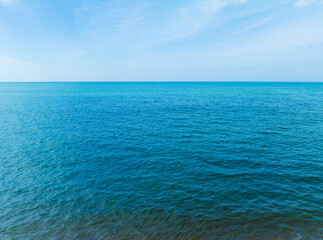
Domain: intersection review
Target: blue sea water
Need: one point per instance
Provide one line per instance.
(161, 160)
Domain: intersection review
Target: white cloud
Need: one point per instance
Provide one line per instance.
(193, 18)
(121, 20)
(7, 2)
(256, 25)
(303, 3)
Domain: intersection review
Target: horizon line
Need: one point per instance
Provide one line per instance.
(162, 82)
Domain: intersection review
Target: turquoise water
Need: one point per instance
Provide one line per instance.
(161, 160)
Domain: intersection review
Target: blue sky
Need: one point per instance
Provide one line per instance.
(160, 40)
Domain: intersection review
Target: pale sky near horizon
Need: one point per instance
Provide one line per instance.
(160, 40)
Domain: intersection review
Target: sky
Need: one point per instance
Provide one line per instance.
(161, 40)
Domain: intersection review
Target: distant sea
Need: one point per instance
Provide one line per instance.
(161, 161)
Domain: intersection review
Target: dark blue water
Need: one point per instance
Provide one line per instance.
(161, 161)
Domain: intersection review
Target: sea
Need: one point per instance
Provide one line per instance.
(144, 160)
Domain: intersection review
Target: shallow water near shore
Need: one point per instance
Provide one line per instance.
(161, 160)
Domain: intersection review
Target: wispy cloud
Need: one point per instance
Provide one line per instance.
(7, 1)
(303, 3)
(110, 23)
(195, 17)
(160, 40)
(255, 25)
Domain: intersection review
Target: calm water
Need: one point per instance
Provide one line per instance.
(161, 161)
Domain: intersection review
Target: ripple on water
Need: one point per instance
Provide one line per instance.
(161, 161)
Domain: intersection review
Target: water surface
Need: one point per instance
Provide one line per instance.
(161, 160)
